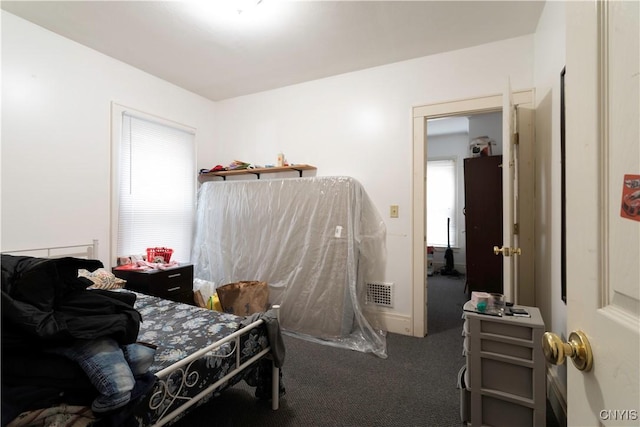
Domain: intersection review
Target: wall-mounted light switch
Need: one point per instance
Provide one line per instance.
(393, 211)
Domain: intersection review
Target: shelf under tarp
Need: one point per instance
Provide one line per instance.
(313, 240)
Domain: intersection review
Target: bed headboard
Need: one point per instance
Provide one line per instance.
(87, 250)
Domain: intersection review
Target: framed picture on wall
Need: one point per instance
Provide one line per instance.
(563, 203)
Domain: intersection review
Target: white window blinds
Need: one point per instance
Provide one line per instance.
(441, 201)
(157, 187)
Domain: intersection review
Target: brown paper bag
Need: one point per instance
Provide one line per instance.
(244, 298)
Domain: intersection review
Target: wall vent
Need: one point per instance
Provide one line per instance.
(380, 293)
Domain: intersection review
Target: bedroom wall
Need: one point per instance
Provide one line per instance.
(549, 45)
(56, 122)
(56, 100)
(359, 124)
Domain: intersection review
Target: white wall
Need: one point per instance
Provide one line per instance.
(56, 100)
(549, 60)
(359, 124)
(56, 120)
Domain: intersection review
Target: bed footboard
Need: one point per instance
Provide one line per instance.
(175, 379)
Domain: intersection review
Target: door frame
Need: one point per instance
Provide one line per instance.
(421, 114)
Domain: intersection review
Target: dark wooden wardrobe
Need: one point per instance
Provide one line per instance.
(483, 222)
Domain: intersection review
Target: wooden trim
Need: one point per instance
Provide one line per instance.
(419, 269)
(470, 106)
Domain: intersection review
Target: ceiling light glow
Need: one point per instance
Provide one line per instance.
(235, 13)
(243, 6)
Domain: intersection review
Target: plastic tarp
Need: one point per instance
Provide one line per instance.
(315, 241)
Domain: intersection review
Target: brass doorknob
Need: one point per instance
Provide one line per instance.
(577, 348)
(506, 251)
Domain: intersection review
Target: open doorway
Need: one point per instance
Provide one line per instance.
(523, 100)
(450, 140)
(460, 153)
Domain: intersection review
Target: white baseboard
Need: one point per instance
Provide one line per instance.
(392, 322)
(556, 393)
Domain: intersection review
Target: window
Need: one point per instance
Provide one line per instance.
(441, 201)
(156, 186)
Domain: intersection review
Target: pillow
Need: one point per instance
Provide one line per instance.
(102, 279)
(244, 298)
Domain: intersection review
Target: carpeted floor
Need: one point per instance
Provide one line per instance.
(327, 386)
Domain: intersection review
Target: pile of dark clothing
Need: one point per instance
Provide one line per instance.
(46, 311)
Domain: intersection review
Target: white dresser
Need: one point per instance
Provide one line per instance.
(505, 379)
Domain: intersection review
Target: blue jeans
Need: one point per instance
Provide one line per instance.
(110, 368)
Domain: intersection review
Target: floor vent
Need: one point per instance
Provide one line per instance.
(380, 293)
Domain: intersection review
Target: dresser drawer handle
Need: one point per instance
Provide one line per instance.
(173, 289)
(171, 276)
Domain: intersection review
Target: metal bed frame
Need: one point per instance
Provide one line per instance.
(88, 250)
(180, 371)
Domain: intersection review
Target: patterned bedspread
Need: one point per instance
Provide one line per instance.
(180, 330)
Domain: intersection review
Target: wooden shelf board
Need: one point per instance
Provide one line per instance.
(259, 171)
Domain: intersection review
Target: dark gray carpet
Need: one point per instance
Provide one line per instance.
(327, 386)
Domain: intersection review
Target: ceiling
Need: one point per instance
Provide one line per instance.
(222, 53)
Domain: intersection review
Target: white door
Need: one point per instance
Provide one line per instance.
(509, 174)
(603, 245)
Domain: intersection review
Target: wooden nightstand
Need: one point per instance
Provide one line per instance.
(175, 283)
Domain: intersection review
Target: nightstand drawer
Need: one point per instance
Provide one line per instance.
(172, 284)
(169, 282)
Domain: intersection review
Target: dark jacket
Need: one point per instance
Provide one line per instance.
(45, 303)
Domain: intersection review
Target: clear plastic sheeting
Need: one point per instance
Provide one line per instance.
(315, 241)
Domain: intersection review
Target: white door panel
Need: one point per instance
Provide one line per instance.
(508, 180)
(603, 247)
